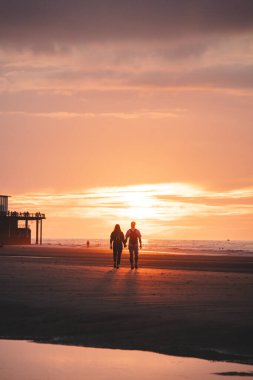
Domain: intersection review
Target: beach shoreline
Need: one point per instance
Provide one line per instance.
(185, 305)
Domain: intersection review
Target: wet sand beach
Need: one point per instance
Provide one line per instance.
(188, 305)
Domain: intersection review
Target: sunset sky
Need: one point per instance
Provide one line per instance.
(118, 110)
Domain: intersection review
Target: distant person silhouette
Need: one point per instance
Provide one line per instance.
(87, 243)
(133, 235)
(117, 241)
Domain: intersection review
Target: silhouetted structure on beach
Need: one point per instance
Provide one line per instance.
(10, 232)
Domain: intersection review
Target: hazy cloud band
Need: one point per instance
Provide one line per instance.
(42, 23)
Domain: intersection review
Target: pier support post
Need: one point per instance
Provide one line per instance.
(26, 227)
(37, 231)
(40, 231)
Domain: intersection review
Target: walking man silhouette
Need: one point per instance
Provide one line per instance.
(133, 235)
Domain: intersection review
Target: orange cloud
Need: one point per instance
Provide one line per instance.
(157, 207)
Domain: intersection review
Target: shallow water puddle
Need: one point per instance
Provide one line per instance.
(26, 360)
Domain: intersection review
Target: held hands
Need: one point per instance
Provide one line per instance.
(140, 246)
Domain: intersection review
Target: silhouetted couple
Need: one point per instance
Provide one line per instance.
(118, 241)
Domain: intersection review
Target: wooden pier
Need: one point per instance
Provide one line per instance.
(10, 232)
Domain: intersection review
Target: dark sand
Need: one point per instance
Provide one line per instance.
(176, 304)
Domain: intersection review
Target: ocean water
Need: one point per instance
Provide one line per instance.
(208, 247)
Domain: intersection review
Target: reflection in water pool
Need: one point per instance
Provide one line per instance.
(25, 360)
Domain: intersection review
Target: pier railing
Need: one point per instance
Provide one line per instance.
(23, 215)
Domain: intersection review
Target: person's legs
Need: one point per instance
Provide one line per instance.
(136, 252)
(115, 257)
(131, 252)
(119, 256)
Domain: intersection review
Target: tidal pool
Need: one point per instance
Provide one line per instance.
(22, 360)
